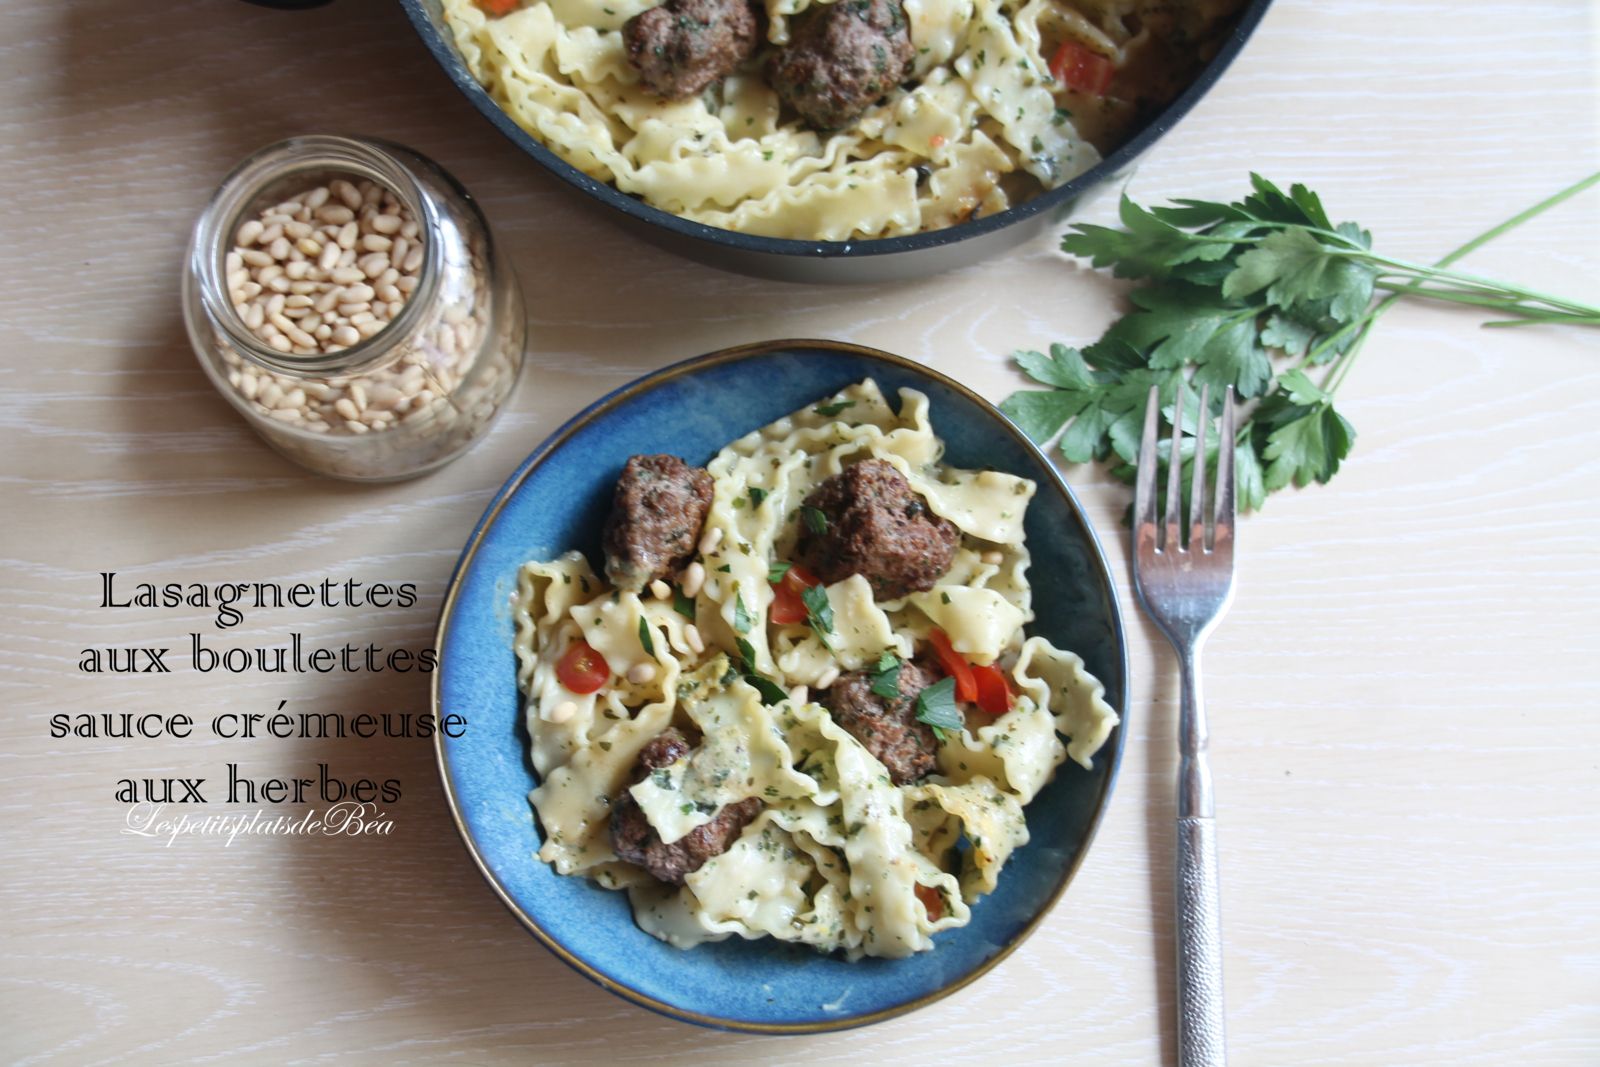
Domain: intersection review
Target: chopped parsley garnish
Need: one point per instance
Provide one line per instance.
(683, 605)
(886, 677)
(776, 572)
(771, 692)
(834, 408)
(936, 706)
(741, 615)
(819, 612)
(644, 637)
(757, 495)
(815, 519)
(726, 568)
(747, 653)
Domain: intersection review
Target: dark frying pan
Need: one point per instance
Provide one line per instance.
(877, 259)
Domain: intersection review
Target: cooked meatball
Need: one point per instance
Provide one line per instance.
(636, 841)
(657, 510)
(878, 527)
(841, 59)
(887, 728)
(683, 46)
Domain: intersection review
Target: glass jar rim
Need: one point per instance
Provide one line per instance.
(329, 154)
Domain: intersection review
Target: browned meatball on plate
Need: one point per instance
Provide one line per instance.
(683, 46)
(867, 520)
(657, 510)
(841, 59)
(636, 841)
(887, 728)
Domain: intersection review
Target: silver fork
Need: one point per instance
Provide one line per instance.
(1185, 589)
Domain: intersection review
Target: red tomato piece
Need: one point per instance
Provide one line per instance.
(954, 666)
(582, 669)
(497, 8)
(787, 606)
(1082, 69)
(932, 902)
(994, 689)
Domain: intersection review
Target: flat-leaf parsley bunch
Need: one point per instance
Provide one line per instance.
(1261, 294)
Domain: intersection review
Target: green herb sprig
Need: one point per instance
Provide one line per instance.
(1260, 294)
(936, 706)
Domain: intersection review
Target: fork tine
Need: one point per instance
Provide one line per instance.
(1174, 535)
(1225, 450)
(1197, 483)
(1144, 493)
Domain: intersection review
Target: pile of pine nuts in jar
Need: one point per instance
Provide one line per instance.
(324, 270)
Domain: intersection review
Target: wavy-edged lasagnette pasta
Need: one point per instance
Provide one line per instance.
(982, 124)
(839, 857)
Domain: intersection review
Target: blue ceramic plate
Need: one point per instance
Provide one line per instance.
(557, 500)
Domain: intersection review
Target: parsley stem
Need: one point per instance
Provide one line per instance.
(1341, 367)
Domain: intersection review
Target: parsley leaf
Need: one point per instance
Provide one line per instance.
(816, 519)
(776, 571)
(741, 615)
(757, 495)
(886, 677)
(819, 611)
(936, 706)
(1249, 294)
(771, 692)
(834, 408)
(644, 637)
(683, 605)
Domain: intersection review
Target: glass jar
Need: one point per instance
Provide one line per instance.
(393, 403)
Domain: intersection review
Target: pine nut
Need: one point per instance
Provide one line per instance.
(691, 637)
(694, 576)
(993, 557)
(642, 673)
(826, 679)
(563, 712)
(347, 235)
(249, 232)
(345, 335)
(387, 224)
(316, 197)
(799, 694)
(660, 590)
(712, 538)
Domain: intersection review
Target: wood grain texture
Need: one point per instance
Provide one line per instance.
(1402, 698)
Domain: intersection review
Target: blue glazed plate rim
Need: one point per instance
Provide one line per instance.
(613, 400)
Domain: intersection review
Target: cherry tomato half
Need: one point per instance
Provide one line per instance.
(932, 902)
(787, 606)
(582, 669)
(994, 689)
(1082, 69)
(954, 666)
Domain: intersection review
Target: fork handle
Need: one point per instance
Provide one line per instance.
(1200, 1032)
(1200, 1017)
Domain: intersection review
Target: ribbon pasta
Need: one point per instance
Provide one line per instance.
(839, 858)
(980, 122)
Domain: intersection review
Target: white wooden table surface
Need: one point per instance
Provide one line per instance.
(1403, 698)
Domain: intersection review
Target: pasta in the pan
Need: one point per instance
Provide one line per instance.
(837, 854)
(1005, 98)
